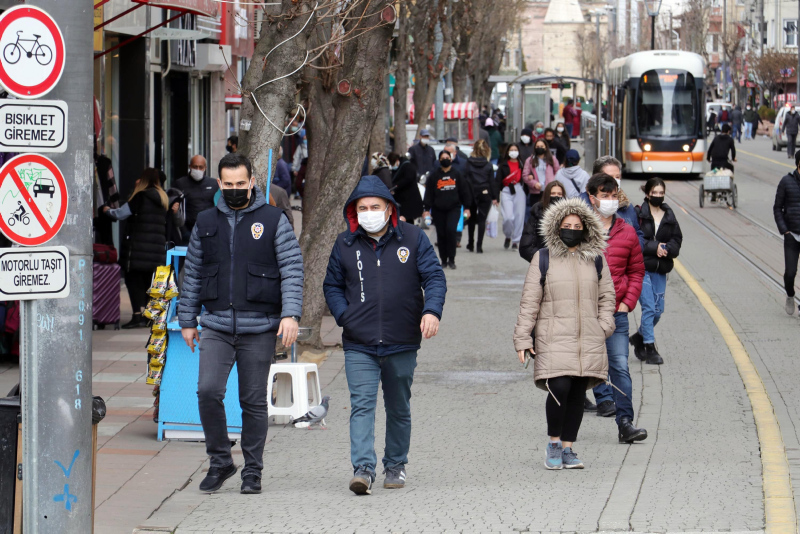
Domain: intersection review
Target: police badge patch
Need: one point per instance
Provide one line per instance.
(258, 230)
(402, 254)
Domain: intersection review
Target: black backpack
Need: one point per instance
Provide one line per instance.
(544, 265)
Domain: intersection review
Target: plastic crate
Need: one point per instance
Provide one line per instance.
(717, 182)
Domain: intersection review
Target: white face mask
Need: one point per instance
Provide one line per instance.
(608, 207)
(423, 141)
(196, 174)
(373, 221)
(513, 154)
(525, 138)
(560, 129)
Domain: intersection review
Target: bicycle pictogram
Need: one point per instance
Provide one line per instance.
(12, 52)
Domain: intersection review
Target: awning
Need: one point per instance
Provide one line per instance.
(199, 7)
(233, 100)
(454, 111)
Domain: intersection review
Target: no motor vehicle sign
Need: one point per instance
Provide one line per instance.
(34, 273)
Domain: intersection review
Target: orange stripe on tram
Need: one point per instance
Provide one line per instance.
(664, 156)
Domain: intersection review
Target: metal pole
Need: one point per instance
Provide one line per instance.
(653, 32)
(724, 49)
(797, 43)
(598, 87)
(448, 78)
(56, 361)
(519, 44)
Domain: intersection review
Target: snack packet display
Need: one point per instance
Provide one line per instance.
(154, 376)
(172, 287)
(159, 323)
(157, 343)
(151, 311)
(158, 287)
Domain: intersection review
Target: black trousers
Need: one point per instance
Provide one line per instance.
(792, 145)
(721, 164)
(791, 253)
(564, 421)
(477, 217)
(138, 282)
(446, 223)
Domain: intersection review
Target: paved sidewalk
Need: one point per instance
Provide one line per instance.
(479, 436)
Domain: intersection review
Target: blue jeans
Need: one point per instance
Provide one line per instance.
(364, 373)
(569, 126)
(748, 130)
(652, 300)
(617, 348)
(737, 132)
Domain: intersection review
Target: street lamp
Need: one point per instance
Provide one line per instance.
(653, 7)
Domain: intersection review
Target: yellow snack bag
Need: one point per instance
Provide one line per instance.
(159, 323)
(151, 311)
(157, 343)
(172, 287)
(157, 361)
(160, 280)
(154, 377)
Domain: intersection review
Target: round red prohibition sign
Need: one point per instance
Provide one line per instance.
(33, 199)
(32, 52)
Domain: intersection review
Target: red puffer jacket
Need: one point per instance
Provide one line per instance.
(624, 258)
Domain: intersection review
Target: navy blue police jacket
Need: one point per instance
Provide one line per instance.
(378, 291)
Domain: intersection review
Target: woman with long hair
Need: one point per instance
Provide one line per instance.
(562, 135)
(539, 170)
(512, 195)
(143, 245)
(662, 243)
(480, 176)
(566, 313)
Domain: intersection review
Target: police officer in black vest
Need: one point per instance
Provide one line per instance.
(244, 265)
(374, 285)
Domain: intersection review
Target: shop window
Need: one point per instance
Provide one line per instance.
(790, 33)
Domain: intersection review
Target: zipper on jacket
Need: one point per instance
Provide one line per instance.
(580, 322)
(380, 303)
(233, 251)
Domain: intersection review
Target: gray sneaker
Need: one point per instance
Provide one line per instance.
(570, 459)
(361, 483)
(554, 460)
(790, 305)
(395, 477)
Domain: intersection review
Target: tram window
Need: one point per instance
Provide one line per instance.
(666, 105)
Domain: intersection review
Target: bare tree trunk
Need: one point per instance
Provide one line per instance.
(277, 99)
(339, 131)
(377, 138)
(401, 78)
(460, 82)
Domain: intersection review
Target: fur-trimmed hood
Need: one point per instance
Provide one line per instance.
(594, 242)
(623, 200)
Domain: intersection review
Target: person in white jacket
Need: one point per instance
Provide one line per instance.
(572, 175)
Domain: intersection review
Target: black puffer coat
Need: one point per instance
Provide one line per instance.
(531, 240)
(406, 192)
(669, 233)
(145, 233)
(787, 204)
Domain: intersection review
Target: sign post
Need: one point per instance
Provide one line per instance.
(55, 333)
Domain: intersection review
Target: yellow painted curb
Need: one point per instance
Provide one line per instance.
(767, 159)
(779, 509)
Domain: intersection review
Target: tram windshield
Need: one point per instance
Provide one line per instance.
(667, 104)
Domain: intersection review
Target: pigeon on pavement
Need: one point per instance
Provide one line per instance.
(314, 416)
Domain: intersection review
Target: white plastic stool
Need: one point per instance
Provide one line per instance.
(293, 383)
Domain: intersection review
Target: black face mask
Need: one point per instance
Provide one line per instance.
(656, 201)
(236, 198)
(539, 150)
(570, 237)
(554, 200)
(444, 162)
(229, 148)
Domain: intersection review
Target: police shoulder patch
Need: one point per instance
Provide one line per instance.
(402, 254)
(258, 230)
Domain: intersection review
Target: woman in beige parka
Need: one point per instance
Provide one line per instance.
(570, 316)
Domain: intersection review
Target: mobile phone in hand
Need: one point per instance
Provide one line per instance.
(528, 357)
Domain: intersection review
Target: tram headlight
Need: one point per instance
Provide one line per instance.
(647, 147)
(686, 148)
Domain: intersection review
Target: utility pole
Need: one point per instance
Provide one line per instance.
(724, 49)
(670, 29)
(56, 362)
(437, 52)
(519, 45)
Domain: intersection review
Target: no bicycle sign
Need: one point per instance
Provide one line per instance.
(33, 199)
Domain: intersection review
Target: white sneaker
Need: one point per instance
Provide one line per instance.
(790, 305)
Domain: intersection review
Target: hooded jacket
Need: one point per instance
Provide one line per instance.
(624, 257)
(574, 180)
(737, 117)
(626, 211)
(669, 233)
(374, 289)
(573, 314)
(290, 265)
(406, 192)
(786, 208)
(530, 174)
(480, 176)
(526, 151)
(791, 123)
(423, 157)
(145, 233)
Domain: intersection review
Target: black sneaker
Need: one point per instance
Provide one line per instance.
(514, 247)
(251, 484)
(395, 477)
(361, 483)
(507, 243)
(653, 357)
(216, 477)
(451, 264)
(137, 321)
(629, 433)
(606, 409)
(471, 247)
(638, 346)
(588, 406)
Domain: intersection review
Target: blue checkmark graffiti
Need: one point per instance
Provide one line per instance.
(68, 471)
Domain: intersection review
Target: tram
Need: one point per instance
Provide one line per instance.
(659, 112)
